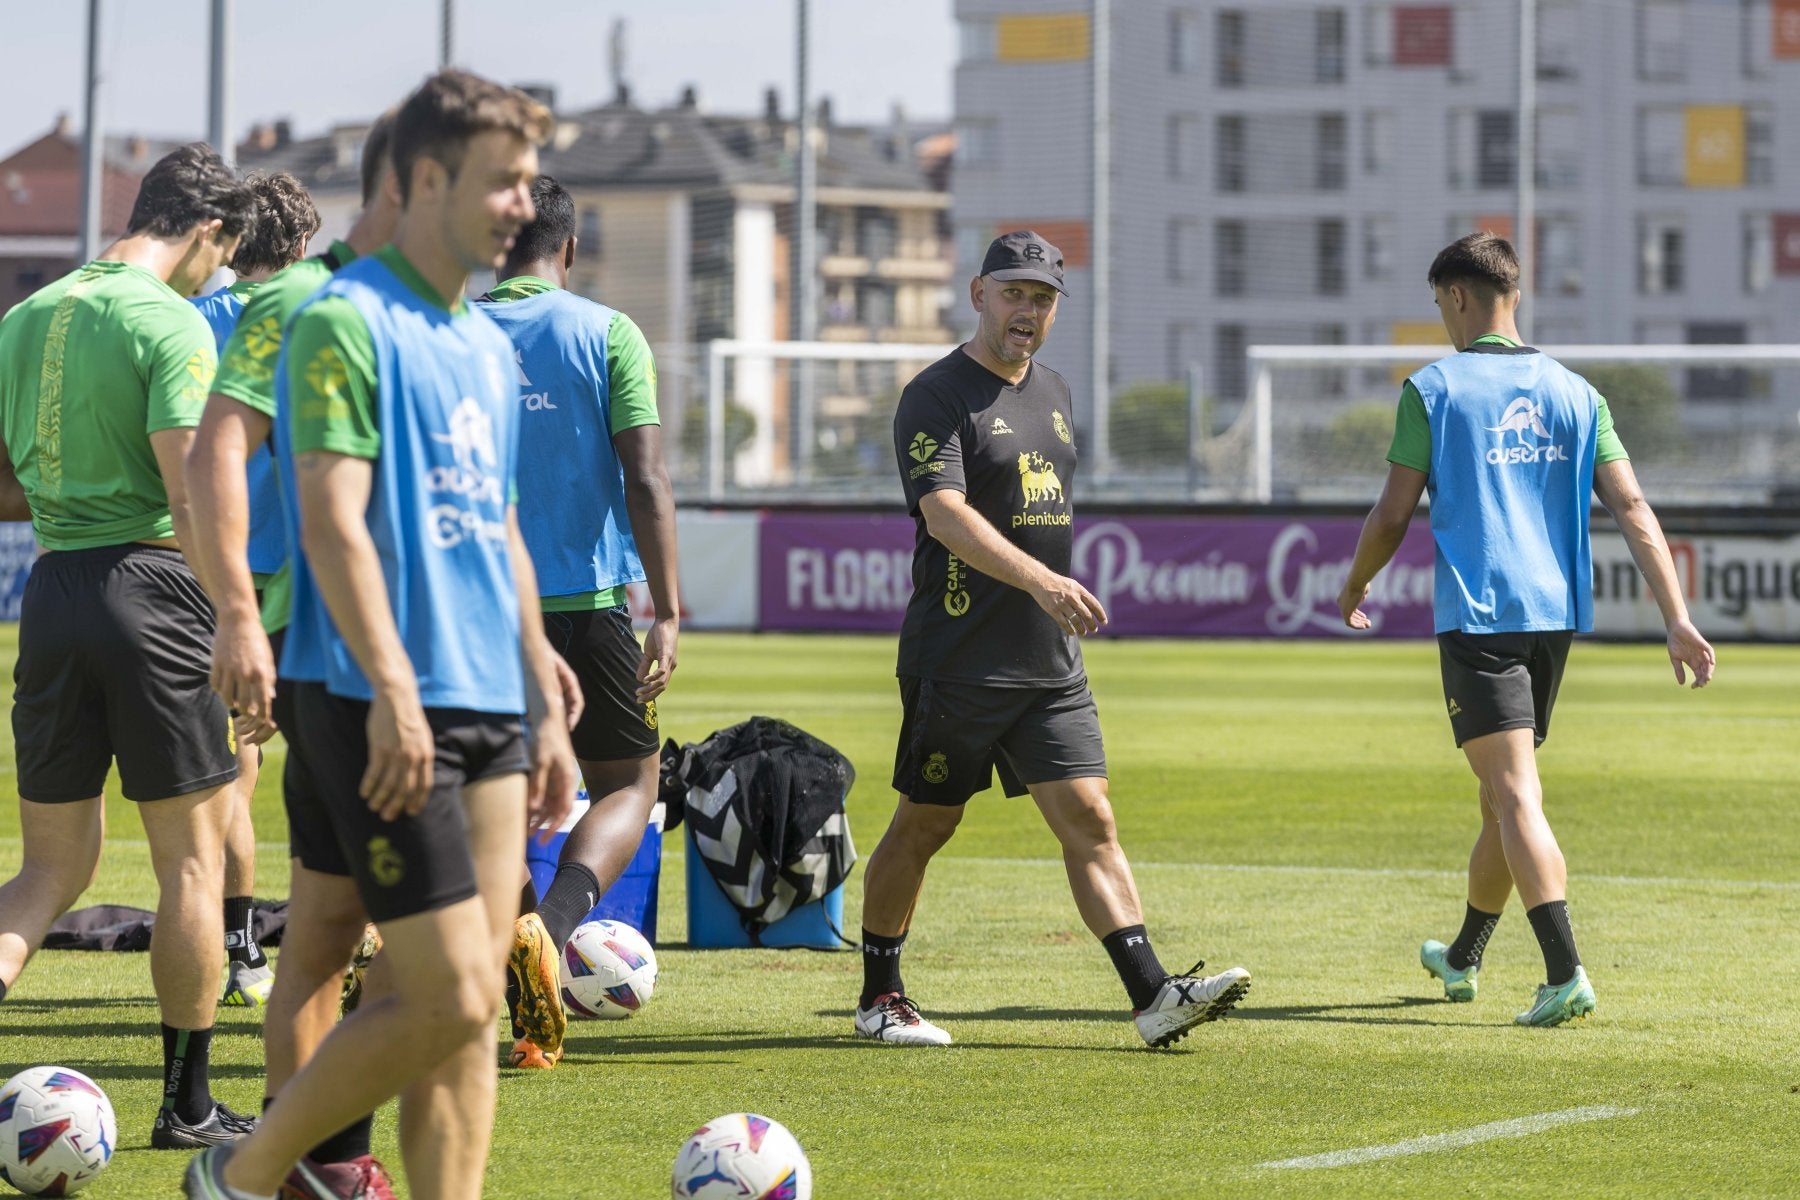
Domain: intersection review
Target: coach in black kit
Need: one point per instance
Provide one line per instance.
(990, 662)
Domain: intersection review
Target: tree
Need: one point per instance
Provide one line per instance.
(1645, 406)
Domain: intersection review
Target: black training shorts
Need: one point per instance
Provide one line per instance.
(604, 653)
(311, 837)
(115, 646)
(1496, 681)
(412, 864)
(953, 736)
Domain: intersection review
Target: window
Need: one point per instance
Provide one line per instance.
(1378, 247)
(1559, 255)
(1410, 35)
(1328, 45)
(1756, 23)
(977, 142)
(1331, 257)
(1185, 41)
(1184, 249)
(1559, 148)
(1230, 48)
(588, 235)
(1483, 148)
(1717, 383)
(1184, 149)
(1332, 152)
(1661, 39)
(877, 233)
(1661, 255)
(1558, 39)
(1759, 252)
(1378, 140)
(978, 39)
(1184, 350)
(1662, 145)
(1230, 153)
(874, 304)
(1228, 359)
(1759, 144)
(1228, 257)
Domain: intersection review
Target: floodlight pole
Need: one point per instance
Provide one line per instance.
(1525, 225)
(218, 106)
(92, 144)
(446, 30)
(1100, 241)
(805, 287)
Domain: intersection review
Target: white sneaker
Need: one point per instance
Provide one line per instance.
(1185, 1001)
(896, 1019)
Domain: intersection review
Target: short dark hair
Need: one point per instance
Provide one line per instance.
(1483, 260)
(446, 111)
(377, 143)
(551, 229)
(285, 218)
(187, 187)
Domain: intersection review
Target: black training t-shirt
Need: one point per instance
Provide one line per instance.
(1011, 450)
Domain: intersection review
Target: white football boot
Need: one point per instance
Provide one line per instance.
(896, 1019)
(1185, 1001)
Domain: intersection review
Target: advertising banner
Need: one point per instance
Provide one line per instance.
(17, 552)
(1737, 588)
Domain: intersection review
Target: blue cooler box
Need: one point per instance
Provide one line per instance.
(632, 900)
(713, 923)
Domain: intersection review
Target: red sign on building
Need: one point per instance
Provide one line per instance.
(1423, 35)
(1787, 243)
(1784, 16)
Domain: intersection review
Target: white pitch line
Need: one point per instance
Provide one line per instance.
(1515, 1128)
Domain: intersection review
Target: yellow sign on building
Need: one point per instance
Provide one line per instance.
(1715, 145)
(1041, 37)
(1417, 333)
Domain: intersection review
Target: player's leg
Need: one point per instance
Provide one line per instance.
(1458, 964)
(447, 1118)
(248, 977)
(61, 859)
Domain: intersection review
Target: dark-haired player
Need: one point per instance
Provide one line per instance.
(286, 219)
(990, 655)
(102, 378)
(597, 513)
(1511, 444)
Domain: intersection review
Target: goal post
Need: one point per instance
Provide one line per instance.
(1706, 424)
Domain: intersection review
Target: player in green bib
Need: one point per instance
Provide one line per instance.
(102, 378)
(325, 917)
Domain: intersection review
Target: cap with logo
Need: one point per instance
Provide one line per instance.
(1022, 254)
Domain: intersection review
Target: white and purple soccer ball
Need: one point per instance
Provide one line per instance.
(742, 1156)
(608, 971)
(56, 1131)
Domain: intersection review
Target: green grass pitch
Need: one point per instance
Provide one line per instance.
(1296, 808)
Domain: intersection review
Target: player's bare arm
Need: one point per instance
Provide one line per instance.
(1382, 533)
(550, 792)
(334, 494)
(13, 505)
(650, 505)
(171, 447)
(972, 538)
(243, 666)
(1617, 486)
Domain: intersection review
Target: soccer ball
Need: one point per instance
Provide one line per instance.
(56, 1131)
(608, 971)
(742, 1155)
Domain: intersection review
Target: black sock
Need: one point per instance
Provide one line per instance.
(186, 1091)
(1465, 951)
(350, 1142)
(881, 967)
(1556, 939)
(1136, 964)
(571, 896)
(2, 989)
(240, 943)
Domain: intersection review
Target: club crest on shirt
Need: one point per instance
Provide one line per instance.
(1061, 426)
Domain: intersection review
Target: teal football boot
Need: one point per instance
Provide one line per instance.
(1459, 986)
(1570, 1001)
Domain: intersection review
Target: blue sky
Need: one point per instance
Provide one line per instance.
(330, 60)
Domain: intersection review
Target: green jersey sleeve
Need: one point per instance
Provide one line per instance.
(1607, 446)
(1411, 446)
(331, 380)
(631, 375)
(247, 364)
(177, 361)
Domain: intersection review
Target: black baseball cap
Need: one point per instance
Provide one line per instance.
(1022, 254)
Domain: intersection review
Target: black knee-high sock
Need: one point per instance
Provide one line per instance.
(881, 967)
(186, 1090)
(350, 1142)
(240, 942)
(1136, 963)
(570, 897)
(1556, 939)
(1478, 926)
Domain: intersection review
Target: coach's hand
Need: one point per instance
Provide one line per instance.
(243, 672)
(1687, 647)
(550, 787)
(1074, 609)
(401, 753)
(1350, 606)
(658, 662)
(573, 701)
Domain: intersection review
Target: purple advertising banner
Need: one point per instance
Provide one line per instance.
(1157, 576)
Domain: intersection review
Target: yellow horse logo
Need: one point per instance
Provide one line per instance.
(1039, 479)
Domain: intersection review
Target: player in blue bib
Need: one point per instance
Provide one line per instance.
(396, 447)
(285, 220)
(1510, 444)
(597, 513)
